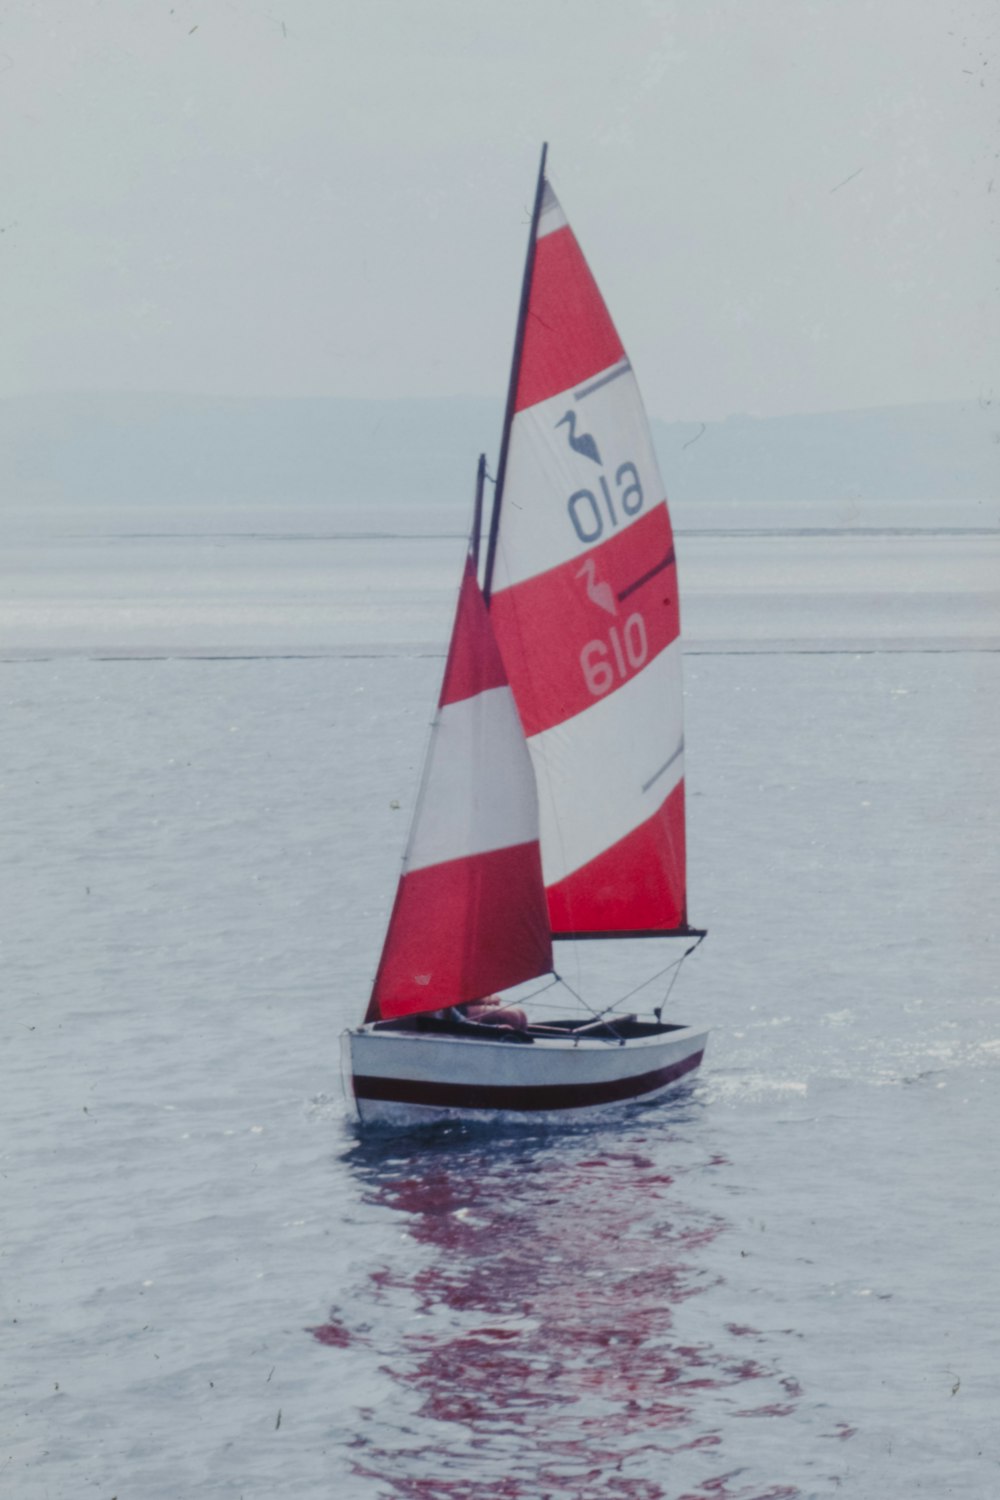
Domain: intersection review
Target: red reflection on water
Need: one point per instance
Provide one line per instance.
(334, 1334)
(530, 1336)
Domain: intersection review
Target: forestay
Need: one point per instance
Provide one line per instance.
(583, 598)
(470, 913)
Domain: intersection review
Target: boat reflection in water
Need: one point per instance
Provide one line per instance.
(516, 1331)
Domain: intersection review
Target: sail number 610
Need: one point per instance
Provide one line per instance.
(589, 517)
(606, 663)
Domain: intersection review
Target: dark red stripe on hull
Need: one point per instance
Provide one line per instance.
(534, 1098)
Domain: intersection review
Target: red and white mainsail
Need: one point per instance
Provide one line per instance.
(582, 587)
(470, 913)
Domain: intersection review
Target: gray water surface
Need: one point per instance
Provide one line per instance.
(780, 1285)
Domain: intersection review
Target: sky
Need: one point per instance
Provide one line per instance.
(790, 205)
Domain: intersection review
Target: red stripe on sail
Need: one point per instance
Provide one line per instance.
(635, 886)
(578, 632)
(474, 663)
(462, 929)
(569, 335)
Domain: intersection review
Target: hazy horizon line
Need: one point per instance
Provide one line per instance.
(166, 393)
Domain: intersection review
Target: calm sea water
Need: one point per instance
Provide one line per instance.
(780, 1285)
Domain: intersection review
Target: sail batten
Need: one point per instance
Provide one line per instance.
(584, 602)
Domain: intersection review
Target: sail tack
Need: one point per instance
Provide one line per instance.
(584, 604)
(470, 913)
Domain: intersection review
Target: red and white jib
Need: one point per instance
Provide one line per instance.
(470, 912)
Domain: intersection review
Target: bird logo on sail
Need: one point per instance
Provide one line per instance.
(580, 442)
(599, 591)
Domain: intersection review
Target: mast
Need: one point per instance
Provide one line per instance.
(515, 368)
(477, 514)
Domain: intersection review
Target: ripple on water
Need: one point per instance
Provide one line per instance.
(523, 1328)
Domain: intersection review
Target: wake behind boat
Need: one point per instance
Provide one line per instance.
(552, 798)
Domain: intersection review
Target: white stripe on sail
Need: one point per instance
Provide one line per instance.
(551, 217)
(478, 791)
(607, 770)
(560, 450)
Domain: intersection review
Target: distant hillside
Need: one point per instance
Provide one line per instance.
(941, 451)
(189, 449)
(194, 449)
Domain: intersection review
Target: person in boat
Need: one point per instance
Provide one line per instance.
(489, 1011)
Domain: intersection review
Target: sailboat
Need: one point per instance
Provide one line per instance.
(551, 805)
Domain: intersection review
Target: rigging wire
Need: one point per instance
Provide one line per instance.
(658, 1012)
(675, 965)
(548, 985)
(598, 1015)
(602, 1014)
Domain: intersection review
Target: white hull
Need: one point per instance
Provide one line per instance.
(404, 1077)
